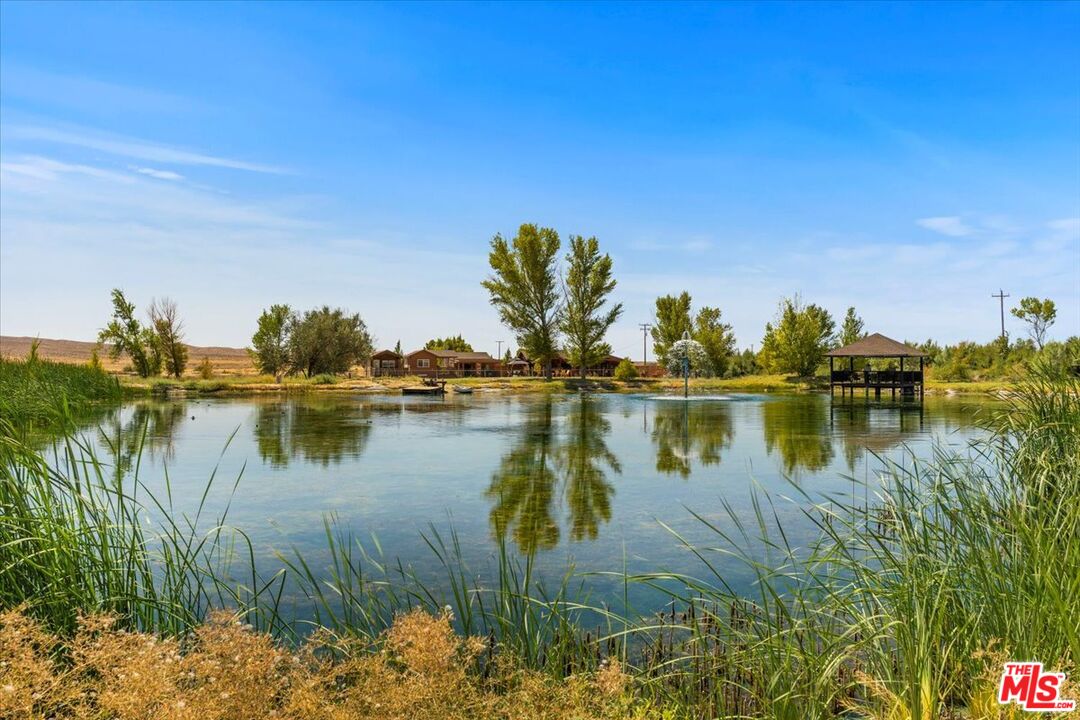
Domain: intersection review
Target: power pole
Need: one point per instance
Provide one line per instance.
(1001, 295)
(644, 346)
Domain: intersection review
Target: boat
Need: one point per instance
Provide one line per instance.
(462, 389)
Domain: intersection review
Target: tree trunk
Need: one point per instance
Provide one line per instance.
(547, 369)
(582, 372)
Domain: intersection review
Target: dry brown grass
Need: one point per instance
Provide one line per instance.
(419, 669)
(225, 361)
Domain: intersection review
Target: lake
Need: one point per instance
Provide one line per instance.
(581, 480)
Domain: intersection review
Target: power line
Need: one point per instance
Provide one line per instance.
(1001, 295)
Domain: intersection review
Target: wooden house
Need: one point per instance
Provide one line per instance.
(386, 363)
(450, 363)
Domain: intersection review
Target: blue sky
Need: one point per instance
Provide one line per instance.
(905, 159)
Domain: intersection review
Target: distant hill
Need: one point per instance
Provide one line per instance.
(226, 360)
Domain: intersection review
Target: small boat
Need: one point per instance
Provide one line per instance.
(462, 389)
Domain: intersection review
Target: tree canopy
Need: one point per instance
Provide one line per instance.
(1039, 315)
(716, 338)
(524, 288)
(270, 343)
(453, 342)
(674, 317)
(672, 320)
(798, 341)
(584, 320)
(852, 328)
(328, 341)
(125, 335)
(169, 328)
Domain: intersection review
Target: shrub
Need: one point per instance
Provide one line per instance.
(206, 369)
(626, 370)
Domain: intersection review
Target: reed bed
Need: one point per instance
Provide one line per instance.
(916, 591)
(38, 392)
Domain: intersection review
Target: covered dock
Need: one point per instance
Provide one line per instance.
(864, 376)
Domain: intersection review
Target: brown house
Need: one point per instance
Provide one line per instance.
(387, 362)
(561, 366)
(450, 363)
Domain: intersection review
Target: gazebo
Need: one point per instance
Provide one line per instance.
(908, 382)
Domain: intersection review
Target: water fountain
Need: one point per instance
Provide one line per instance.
(683, 355)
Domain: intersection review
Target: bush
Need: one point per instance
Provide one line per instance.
(626, 370)
(324, 379)
(206, 369)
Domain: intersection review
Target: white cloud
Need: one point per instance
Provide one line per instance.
(133, 148)
(159, 174)
(952, 225)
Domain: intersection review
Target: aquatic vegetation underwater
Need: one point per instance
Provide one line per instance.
(905, 606)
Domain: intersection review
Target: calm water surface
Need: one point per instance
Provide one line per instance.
(568, 479)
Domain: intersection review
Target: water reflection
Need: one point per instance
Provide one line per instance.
(798, 429)
(583, 459)
(525, 486)
(151, 428)
(689, 431)
(316, 432)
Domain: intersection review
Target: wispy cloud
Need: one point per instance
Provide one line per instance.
(134, 148)
(159, 174)
(951, 225)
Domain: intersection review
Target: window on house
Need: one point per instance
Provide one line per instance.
(422, 363)
(389, 363)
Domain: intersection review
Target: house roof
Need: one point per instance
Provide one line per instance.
(454, 354)
(473, 356)
(876, 345)
(384, 354)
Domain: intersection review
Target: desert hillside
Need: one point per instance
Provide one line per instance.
(226, 360)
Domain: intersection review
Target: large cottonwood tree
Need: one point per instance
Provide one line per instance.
(584, 319)
(524, 288)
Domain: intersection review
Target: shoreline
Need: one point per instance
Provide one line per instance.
(234, 386)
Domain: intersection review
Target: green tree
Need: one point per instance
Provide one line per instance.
(1039, 315)
(525, 289)
(716, 338)
(397, 349)
(584, 320)
(626, 370)
(270, 343)
(125, 335)
(672, 320)
(797, 343)
(328, 341)
(169, 328)
(852, 328)
(453, 342)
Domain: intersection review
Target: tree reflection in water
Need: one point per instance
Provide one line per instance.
(151, 429)
(317, 432)
(687, 431)
(798, 428)
(582, 459)
(524, 487)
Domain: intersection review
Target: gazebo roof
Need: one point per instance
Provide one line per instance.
(876, 345)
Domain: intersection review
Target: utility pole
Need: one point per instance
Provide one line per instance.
(1001, 295)
(644, 346)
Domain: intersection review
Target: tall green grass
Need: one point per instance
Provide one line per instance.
(41, 392)
(914, 591)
